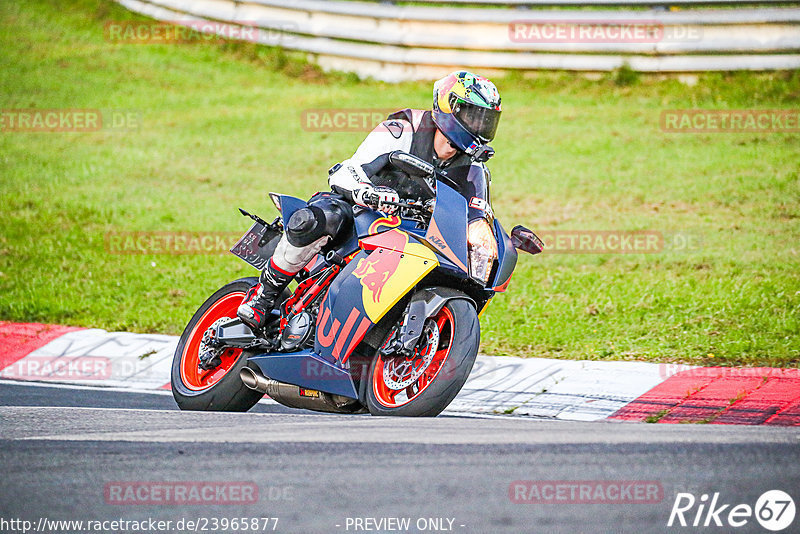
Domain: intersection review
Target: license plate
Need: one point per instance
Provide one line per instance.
(257, 245)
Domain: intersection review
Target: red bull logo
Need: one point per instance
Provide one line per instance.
(393, 267)
(375, 270)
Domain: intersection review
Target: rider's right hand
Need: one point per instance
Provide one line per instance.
(376, 198)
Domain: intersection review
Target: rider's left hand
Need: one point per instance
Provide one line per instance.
(376, 197)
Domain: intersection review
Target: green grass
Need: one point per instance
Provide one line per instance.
(221, 127)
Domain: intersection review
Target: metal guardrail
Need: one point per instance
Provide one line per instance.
(391, 42)
(593, 3)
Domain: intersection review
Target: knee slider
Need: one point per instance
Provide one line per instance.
(338, 215)
(305, 226)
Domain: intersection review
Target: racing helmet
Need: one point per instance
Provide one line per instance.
(466, 109)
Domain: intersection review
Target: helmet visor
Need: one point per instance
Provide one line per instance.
(479, 121)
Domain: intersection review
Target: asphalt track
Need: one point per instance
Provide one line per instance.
(61, 447)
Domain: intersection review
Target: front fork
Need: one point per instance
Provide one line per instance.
(424, 304)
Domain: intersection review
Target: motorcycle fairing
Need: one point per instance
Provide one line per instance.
(374, 281)
(307, 370)
(506, 258)
(395, 265)
(363, 221)
(288, 205)
(448, 238)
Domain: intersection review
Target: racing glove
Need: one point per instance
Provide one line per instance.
(376, 197)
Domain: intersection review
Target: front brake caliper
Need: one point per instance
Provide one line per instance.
(392, 344)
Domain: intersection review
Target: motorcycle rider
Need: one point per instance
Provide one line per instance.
(465, 115)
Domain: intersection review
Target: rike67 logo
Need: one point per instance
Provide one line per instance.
(774, 510)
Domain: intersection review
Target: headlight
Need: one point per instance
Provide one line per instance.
(482, 250)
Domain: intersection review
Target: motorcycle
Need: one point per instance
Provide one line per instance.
(386, 322)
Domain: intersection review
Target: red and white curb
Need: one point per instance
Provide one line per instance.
(534, 387)
(560, 389)
(89, 357)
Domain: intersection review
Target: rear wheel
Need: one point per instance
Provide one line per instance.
(218, 389)
(424, 384)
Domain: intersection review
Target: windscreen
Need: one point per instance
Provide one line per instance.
(472, 180)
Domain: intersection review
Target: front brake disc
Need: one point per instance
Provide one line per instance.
(400, 372)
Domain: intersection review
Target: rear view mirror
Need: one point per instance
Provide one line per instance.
(526, 240)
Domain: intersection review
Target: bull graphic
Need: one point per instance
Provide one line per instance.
(375, 270)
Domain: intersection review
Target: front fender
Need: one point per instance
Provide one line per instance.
(427, 303)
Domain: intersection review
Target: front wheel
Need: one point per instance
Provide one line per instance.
(425, 383)
(219, 389)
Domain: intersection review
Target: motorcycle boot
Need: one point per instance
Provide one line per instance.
(260, 299)
(285, 263)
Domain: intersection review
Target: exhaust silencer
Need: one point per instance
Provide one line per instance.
(253, 380)
(295, 396)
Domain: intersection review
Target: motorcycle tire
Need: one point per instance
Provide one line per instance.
(219, 389)
(424, 385)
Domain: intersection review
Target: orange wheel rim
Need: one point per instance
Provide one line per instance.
(192, 376)
(394, 398)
